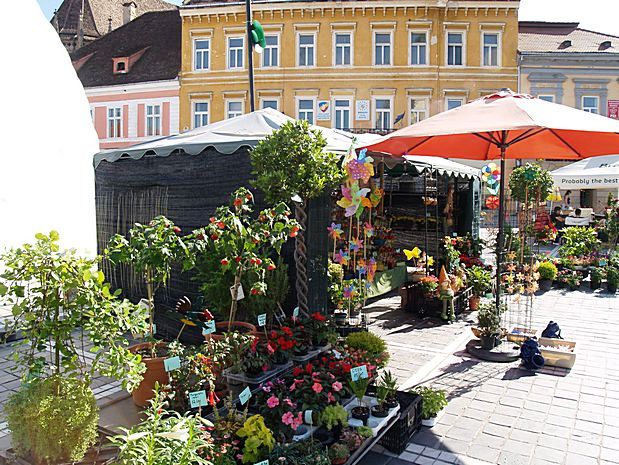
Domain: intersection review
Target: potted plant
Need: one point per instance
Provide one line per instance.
(547, 274)
(150, 250)
(597, 276)
(481, 281)
(233, 252)
(256, 361)
(374, 345)
(334, 418)
(302, 337)
(612, 278)
(389, 382)
(351, 438)
(429, 285)
(380, 410)
(165, 437)
(292, 163)
(339, 453)
(573, 280)
(322, 333)
(280, 409)
(489, 324)
(282, 342)
(258, 439)
(433, 401)
(61, 299)
(359, 388)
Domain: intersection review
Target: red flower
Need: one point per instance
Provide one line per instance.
(224, 262)
(317, 316)
(254, 291)
(309, 368)
(221, 224)
(248, 196)
(214, 237)
(200, 237)
(238, 202)
(177, 229)
(271, 267)
(297, 371)
(237, 259)
(294, 231)
(212, 219)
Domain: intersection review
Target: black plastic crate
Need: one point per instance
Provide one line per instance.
(407, 424)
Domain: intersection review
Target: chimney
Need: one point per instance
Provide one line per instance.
(129, 11)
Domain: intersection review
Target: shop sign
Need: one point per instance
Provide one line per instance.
(324, 110)
(613, 109)
(362, 110)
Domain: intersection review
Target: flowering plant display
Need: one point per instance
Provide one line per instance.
(256, 360)
(279, 408)
(302, 336)
(322, 332)
(315, 388)
(429, 284)
(282, 342)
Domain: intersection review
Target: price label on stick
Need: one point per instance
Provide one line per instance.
(359, 372)
(209, 327)
(308, 417)
(337, 355)
(239, 294)
(245, 395)
(172, 363)
(197, 399)
(154, 329)
(295, 313)
(264, 462)
(262, 319)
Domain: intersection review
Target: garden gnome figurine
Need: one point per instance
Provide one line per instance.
(446, 294)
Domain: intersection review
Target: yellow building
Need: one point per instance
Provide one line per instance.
(351, 65)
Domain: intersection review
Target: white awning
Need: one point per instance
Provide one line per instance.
(591, 173)
(225, 136)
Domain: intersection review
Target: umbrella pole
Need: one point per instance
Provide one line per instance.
(499, 240)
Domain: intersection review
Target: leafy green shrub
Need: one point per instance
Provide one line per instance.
(579, 241)
(547, 270)
(165, 438)
(259, 440)
(530, 182)
(597, 274)
(489, 319)
(612, 276)
(371, 343)
(333, 415)
(434, 400)
(479, 278)
(54, 419)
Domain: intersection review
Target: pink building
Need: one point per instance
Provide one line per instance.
(131, 79)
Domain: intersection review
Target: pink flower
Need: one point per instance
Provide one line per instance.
(266, 388)
(272, 402)
(298, 421)
(337, 386)
(330, 397)
(317, 388)
(292, 387)
(288, 402)
(287, 418)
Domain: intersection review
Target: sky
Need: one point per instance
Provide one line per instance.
(597, 15)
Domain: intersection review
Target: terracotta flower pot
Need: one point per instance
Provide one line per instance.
(240, 326)
(155, 373)
(474, 302)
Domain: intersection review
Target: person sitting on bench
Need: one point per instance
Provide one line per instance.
(577, 219)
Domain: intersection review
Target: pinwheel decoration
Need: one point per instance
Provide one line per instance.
(361, 167)
(349, 291)
(361, 267)
(335, 231)
(491, 174)
(376, 195)
(356, 244)
(492, 202)
(354, 200)
(371, 269)
(368, 229)
(341, 257)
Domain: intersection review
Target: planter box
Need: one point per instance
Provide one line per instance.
(556, 357)
(375, 423)
(519, 334)
(241, 378)
(408, 423)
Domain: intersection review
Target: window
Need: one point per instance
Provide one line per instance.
(235, 52)
(382, 48)
(305, 110)
(306, 49)
(200, 114)
(121, 67)
(114, 122)
(418, 48)
(343, 44)
(269, 103)
(270, 55)
(382, 113)
(591, 104)
(153, 120)
(234, 108)
(342, 114)
(201, 54)
(548, 98)
(491, 49)
(418, 109)
(454, 103)
(454, 48)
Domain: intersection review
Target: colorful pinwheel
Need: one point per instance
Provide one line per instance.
(354, 200)
(341, 257)
(361, 267)
(371, 269)
(492, 202)
(335, 231)
(356, 244)
(368, 229)
(349, 291)
(376, 195)
(361, 167)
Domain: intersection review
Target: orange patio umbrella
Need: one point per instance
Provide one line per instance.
(505, 125)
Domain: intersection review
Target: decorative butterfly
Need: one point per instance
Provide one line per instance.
(410, 254)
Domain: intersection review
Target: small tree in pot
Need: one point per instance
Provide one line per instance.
(292, 164)
(481, 280)
(489, 324)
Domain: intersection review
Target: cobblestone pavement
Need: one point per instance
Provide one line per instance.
(502, 414)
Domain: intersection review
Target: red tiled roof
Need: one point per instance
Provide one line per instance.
(537, 36)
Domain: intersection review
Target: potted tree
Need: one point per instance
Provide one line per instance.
(359, 388)
(481, 280)
(489, 324)
(150, 250)
(292, 163)
(547, 274)
(433, 401)
(58, 298)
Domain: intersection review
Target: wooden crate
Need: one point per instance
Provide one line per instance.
(558, 358)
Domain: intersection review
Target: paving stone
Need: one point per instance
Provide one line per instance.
(503, 420)
(518, 447)
(583, 448)
(610, 443)
(424, 460)
(575, 459)
(373, 458)
(509, 458)
(453, 445)
(430, 452)
(524, 436)
(552, 442)
(408, 457)
(483, 453)
(461, 434)
(448, 457)
(496, 430)
(551, 455)
(609, 454)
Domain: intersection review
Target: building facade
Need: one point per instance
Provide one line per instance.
(131, 80)
(356, 65)
(565, 64)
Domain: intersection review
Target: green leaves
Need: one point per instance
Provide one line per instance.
(530, 183)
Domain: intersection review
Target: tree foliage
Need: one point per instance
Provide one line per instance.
(530, 182)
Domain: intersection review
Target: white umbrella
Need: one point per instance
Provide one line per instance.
(591, 173)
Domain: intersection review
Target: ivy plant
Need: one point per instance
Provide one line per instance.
(58, 301)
